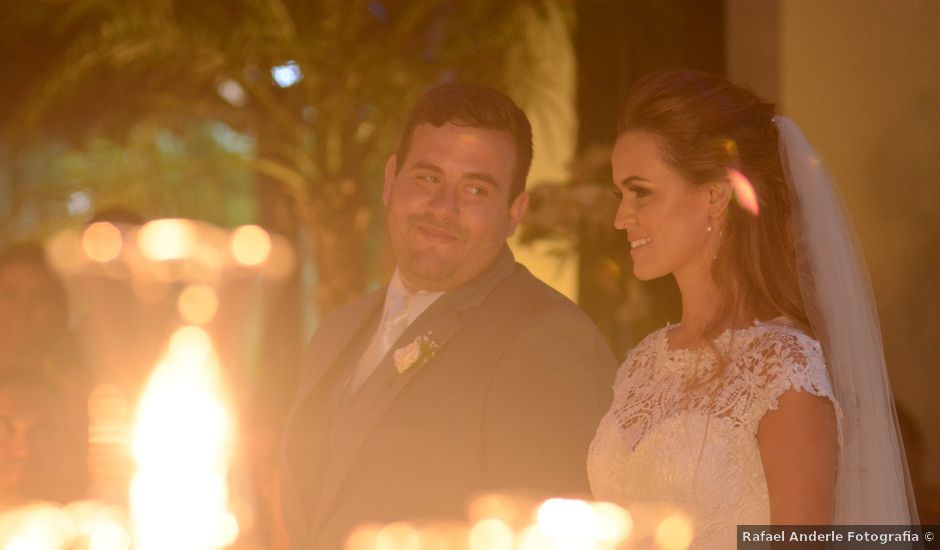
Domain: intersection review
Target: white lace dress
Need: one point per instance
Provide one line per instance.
(695, 448)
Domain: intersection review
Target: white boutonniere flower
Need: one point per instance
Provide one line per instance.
(420, 351)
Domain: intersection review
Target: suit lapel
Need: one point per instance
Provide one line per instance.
(366, 408)
(351, 331)
(327, 353)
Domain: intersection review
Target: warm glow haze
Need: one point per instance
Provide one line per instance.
(181, 444)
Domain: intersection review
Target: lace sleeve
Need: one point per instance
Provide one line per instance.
(792, 360)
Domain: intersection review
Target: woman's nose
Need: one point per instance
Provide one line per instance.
(625, 215)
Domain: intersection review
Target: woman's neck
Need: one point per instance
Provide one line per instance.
(701, 305)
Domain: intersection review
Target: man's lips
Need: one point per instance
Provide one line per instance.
(435, 233)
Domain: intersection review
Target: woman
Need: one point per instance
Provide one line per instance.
(768, 402)
(34, 335)
(33, 307)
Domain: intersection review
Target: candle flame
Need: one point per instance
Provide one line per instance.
(182, 443)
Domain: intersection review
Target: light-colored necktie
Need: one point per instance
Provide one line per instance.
(393, 324)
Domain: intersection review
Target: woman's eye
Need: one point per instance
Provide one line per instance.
(638, 192)
(617, 193)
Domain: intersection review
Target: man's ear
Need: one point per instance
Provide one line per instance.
(391, 166)
(516, 210)
(719, 195)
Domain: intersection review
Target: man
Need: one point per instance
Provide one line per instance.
(466, 374)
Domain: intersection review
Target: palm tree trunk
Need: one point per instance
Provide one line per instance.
(340, 251)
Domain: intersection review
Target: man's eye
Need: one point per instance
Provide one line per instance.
(428, 178)
(476, 190)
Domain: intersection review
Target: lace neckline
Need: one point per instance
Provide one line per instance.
(676, 359)
(718, 340)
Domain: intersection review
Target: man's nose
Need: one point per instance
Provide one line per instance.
(445, 201)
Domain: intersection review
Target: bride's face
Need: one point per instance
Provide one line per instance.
(664, 215)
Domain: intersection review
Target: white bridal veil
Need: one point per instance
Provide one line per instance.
(873, 485)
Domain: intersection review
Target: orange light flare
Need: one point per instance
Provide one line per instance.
(169, 239)
(47, 526)
(571, 523)
(514, 511)
(398, 536)
(65, 252)
(744, 192)
(250, 245)
(36, 526)
(197, 304)
(108, 428)
(491, 534)
(102, 242)
(182, 443)
(674, 533)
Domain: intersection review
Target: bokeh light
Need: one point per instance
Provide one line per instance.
(287, 75)
(566, 520)
(41, 526)
(251, 245)
(363, 537)
(109, 535)
(534, 538)
(197, 304)
(491, 534)
(65, 252)
(674, 533)
(614, 524)
(102, 242)
(497, 506)
(169, 239)
(398, 536)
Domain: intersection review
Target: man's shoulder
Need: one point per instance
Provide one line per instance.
(522, 294)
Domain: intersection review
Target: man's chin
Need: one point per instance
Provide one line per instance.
(431, 279)
(431, 271)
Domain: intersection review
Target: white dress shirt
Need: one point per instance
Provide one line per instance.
(401, 308)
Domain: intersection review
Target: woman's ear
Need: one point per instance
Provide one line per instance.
(719, 195)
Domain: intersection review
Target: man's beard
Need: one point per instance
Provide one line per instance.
(429, 267)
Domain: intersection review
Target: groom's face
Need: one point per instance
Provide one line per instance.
(449, 212)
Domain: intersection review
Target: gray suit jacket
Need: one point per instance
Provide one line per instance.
(510, 401)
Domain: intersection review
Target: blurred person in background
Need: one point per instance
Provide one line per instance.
(35, 448)
(35, 335)
(33, 307)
